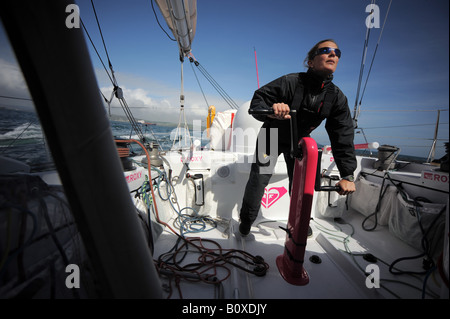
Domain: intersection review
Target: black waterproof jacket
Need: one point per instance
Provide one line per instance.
(310, 114)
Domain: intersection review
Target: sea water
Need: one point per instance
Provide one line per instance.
(22, 137)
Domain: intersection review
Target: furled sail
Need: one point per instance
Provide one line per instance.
(181, 17)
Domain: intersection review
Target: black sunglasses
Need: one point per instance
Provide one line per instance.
(327, 50)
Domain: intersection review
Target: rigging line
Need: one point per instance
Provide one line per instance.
(408, 125)
(219, 88)
(29, 124)
(406, 110)
(109, 101)
(375, 52)
(131, 119)
(103, 40)
(117, 91)
(407, 137)
(96, 51)
(361, 72)
(157, 20)
(201, 89)
(216, 85)
(415, 146)
(16, 98)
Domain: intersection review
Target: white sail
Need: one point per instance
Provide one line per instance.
(181, 17)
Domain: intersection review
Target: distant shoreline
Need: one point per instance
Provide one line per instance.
(124, 119)
(113, 117)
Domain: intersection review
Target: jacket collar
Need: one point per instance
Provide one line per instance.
(317, 81)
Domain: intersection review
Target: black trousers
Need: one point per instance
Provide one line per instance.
(259, 178)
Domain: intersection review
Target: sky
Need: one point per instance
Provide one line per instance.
(408, 83)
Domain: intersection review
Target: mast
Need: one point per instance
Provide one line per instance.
(181, 18)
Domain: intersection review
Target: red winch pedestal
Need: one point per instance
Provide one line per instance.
(290, 264)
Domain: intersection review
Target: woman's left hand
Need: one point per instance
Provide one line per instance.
(347, 187)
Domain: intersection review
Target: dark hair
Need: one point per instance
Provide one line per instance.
(311, 53)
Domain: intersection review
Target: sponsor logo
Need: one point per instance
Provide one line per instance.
(196, 158)
(272, 195)
(134, 177)
(436, 177)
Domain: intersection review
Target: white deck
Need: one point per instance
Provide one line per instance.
(336, 277)
(339, 275)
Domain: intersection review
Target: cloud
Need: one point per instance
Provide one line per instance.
(151, 100)
(144, 105)
(11, 78)
(148, 99)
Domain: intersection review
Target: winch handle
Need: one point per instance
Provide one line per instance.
(317, 186)
(328, 188)
(267, 112)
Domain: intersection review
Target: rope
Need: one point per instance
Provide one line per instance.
(337, 234)
(117, 91)
(361, 72)
(182, 120)
(376, 49)
(96, 51)
(211, 265)
(213, 82)
(357, 108)
(201, 89)
(103, 41)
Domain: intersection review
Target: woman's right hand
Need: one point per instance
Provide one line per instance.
(281, 111)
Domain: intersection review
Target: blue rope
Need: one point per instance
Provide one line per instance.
(187, 223)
